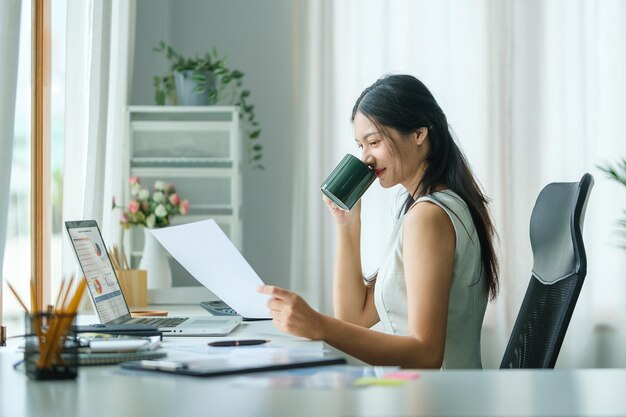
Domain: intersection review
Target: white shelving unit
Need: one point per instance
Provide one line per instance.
(198, 149)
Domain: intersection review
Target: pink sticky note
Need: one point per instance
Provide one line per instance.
(406, 375)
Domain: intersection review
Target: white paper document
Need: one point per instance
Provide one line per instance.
(209, 256)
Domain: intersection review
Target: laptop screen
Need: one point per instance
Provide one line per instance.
(104, 287)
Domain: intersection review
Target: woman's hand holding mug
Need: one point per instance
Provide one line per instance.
(341, 216)
(344, 187)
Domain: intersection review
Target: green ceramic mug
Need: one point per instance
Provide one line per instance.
(348, 182)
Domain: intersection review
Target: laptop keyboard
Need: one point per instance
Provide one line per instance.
(160, 322)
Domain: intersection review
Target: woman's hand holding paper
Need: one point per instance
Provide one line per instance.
(291, 314)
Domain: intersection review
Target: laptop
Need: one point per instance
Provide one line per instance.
(108, 299)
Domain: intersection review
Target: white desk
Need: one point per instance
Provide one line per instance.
(106, 391)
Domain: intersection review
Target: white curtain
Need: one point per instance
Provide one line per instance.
(310, 256)
(100, 36)
(9, 45)
(534, 91)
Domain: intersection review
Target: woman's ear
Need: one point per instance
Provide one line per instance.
(420, 135)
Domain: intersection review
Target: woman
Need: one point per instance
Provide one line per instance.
(431, 291)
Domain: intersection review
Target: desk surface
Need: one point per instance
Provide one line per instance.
(108, 391)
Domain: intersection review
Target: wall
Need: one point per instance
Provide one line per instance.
(257, 38)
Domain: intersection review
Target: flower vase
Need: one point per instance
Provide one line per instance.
(155, 261)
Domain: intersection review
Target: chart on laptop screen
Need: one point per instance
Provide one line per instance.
(103, 284)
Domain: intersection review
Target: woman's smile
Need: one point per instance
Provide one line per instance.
(380, 172)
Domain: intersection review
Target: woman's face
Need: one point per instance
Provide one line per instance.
(397, 158)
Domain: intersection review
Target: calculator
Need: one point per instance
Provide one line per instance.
(218, 308)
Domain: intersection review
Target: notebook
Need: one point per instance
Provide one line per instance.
(114, 358)
(107, 297)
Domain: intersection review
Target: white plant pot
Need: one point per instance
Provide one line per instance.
(155, 261)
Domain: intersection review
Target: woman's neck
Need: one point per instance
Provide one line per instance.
(414, 185)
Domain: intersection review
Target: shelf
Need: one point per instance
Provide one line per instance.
(180, 162)
(180, 126)
(178, 172)
(184, 113)
(199, 150)
(210, 209)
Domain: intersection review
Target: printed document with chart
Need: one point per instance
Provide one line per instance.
(209, 256)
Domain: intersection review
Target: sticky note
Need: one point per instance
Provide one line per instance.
(405, 375)
(362, 382)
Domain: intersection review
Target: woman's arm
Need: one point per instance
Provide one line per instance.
(428, 249)
(291, 314)
(353, 301)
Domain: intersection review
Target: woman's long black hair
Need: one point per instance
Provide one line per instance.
(402, 102)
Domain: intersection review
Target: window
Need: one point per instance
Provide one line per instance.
(57, 134)
(16, 268)
(17, 258)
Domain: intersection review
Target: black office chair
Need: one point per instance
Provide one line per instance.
(559, 269)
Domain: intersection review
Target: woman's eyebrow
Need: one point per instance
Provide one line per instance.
(367, 135)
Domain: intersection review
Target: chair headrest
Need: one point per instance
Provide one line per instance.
(556, 230)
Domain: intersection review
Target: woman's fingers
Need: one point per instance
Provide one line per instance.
(334, 208)
(274, 304)
(328, 202)
(275, 314)
(273, 291)
(279, 303)
(289, 312)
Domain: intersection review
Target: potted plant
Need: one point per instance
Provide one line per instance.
(206, 80)
(618, 174)
(152, 209)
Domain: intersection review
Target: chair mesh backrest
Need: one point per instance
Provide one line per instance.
(559, 269)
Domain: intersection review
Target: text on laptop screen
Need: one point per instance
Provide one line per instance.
(101, 279)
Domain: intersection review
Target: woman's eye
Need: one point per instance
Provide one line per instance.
(374, 143)
(359, 146)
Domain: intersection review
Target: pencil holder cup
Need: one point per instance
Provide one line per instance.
(348, 182)
(51, 348)
(134, 283)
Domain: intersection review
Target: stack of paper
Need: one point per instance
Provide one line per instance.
(107, 349)
(116, 343)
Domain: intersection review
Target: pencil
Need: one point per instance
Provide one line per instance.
(116, 255)
(61, 327)
(126, 265)
(122, 261)
(73, 306)
(114, 261)
(19, 300)
(56, 304)
(67, 291)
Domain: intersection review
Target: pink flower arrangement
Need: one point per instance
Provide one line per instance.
(151, 208)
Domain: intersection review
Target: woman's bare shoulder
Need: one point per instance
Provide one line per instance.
(426, 214)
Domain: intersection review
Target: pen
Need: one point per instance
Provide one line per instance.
(224, 343)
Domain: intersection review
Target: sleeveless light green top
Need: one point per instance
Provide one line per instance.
(468, 298)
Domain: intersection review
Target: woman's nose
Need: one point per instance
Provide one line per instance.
(367, 159)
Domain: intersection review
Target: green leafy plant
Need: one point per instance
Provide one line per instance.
(618, 173)
(223, 85)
